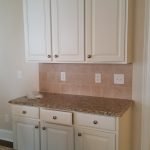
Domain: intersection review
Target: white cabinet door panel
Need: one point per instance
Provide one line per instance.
(87, 139)
(55, 137)
(67, 30)
(26, 134)
(105, 30)
(37, 30)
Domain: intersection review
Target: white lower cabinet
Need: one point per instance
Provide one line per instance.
(45, 129)
(56, 137)
(91, 139)
(26, 134)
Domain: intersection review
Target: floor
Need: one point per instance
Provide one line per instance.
(5, 145)
(5, 148)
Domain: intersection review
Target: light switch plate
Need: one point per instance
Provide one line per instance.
(118, 78)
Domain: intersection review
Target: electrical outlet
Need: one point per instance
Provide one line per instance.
(63, 76)
(98, 78)
(118, 78)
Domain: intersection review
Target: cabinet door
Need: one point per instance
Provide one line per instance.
(55, 137)
(26, 134)
(94, 140)
(37, 30)
(105, 30)
(68, 30)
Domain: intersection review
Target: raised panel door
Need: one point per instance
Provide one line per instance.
(67, 30)
(105, 30)
(56, 137)
(26, 134)
(91, 139)
(37, 30)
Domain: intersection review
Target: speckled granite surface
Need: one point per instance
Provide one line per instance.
(87, 104)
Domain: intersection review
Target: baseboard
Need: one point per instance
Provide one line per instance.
(6, 135)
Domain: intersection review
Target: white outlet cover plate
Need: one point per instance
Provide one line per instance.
(98, 78)
(63, 76)
(118, 78)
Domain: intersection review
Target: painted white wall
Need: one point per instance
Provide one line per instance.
(139, 20)
(12, 59)
(146, 83)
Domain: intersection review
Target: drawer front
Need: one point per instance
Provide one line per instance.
(96, 121)
(25, 111)
(58, 117)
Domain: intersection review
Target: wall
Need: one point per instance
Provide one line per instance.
(145, 144)
(137, 70)
(80, 80)
(12, 60)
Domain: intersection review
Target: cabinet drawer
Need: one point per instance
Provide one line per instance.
(56, 116)
(25, 111)
(96, 121)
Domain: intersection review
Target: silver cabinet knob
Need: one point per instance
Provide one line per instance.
(54, 117)
(49, 56)
(56, 56)
(24, 112)
(89, 56)
(36, 127)
(79, 134)
(95, 122)
(43, 128)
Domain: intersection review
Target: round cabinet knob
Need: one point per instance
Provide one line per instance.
(95, 122)
(24, 112)
(54, 117)
(89, 56)
(49, 56)
(56, 56)
(36, 127)
(44, 128)
(79, 134)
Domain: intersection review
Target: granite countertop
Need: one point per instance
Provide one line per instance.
(88, 104)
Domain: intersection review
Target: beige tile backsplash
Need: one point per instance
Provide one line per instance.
(80, 80)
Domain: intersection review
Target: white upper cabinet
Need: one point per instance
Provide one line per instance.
(106, 31)
(88, 31)
(67, 30)
(37, 30)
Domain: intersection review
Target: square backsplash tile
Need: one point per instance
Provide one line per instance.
(80, 80)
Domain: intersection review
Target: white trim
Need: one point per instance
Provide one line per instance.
(145, 145)
(6, 135)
